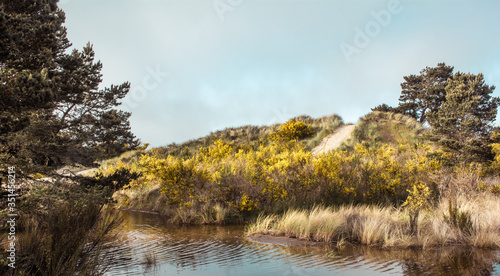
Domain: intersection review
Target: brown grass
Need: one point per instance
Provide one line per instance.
(389, 227)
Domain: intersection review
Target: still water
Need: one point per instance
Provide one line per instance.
(224, 250)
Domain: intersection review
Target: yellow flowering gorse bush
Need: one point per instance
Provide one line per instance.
(286, 174)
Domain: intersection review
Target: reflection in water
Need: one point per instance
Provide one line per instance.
(223, 250)
(443, 261)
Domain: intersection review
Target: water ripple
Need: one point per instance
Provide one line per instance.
(215, 250)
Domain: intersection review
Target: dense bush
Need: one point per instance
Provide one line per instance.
(291, 130)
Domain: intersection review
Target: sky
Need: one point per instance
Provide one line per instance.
(198, 66)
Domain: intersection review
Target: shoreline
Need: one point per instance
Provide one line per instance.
(295, 242)
(139, 211)
(282, 240)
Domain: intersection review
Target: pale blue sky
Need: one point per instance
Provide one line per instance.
(204, 65)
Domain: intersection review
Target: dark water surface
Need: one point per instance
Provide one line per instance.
(223, 250)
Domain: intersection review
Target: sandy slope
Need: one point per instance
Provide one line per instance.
(334, 140)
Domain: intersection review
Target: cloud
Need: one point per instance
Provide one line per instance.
(270, 59)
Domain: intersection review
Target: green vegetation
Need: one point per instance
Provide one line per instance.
(459, 107)
(387, 128)
(425, 93)
(463, 123)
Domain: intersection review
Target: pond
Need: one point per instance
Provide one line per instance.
(224, 250)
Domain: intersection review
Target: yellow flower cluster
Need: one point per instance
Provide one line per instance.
(246, 204)
(381, 173)
(495, 147)
(180, 180)
(418, 199)
(291, 130)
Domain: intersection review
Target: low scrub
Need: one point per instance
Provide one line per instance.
(387, 127)
(278, 176)
(251, 137)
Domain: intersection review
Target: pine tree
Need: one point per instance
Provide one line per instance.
(463, 124)
(52, 111)
(425, 92)
(31, 37)
(384, 108)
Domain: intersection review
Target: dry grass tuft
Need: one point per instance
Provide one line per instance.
(389, 227)
(201, 214)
